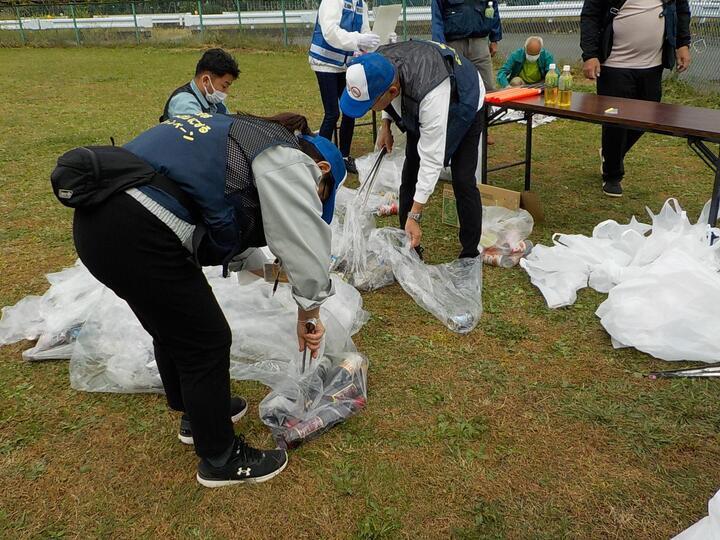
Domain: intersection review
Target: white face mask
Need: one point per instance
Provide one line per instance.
(216, 96)
(532, 57)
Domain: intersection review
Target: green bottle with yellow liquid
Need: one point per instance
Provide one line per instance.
(551, 86)
(565, 87)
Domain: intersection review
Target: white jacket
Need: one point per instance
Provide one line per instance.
(329, 16)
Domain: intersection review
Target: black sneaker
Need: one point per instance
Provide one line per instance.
(612, 189)
(350, 165)
(246, 465)
(238, 408)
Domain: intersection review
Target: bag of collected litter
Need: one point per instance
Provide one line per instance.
(55, 318)
(451, 292)
(503, 227)
(351, 258)
(708, 528)
(389, 173)
(332, 391)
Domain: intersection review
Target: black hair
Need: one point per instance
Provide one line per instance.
(218, 62)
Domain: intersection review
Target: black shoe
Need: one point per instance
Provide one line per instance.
(350, 165)
(612, 189)
(246, 465)
(238, 408)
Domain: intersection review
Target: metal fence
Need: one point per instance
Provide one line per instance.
(289, 23)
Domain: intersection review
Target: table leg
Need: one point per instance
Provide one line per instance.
(528, 148)
(483, 138)
(712, 160)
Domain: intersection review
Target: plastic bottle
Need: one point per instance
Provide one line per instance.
(565, 87)
(551, 86)
(489, 11)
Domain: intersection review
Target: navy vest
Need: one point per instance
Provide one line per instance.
(466, 18)
(187, 89)
(422, 66)
(210, 158)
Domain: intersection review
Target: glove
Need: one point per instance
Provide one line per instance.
(368, 42)
(392, 37)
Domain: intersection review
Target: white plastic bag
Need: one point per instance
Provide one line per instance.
(451, 292)
(708, 528)
(669, 310)
(390, 171)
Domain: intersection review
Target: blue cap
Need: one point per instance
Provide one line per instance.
(368, 77)
(332, 155)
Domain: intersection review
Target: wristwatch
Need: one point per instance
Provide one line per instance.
(415, 216)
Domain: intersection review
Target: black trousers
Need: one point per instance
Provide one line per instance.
(137, 256)
(331, 88)
(645, 84)
(467, 197)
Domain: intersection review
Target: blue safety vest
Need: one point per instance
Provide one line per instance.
(351, 21)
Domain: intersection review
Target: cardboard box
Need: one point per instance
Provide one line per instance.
(490, 195)
(495, 196)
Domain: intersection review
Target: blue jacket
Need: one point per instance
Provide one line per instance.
(457, 19)
(514, 64)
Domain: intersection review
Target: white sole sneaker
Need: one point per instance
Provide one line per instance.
(258, 480)
(190, 441)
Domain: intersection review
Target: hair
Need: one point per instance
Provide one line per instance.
(538, 38)
(218, 62)
(297, 123)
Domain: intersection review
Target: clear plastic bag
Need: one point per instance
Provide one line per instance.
(55, 318)
(332, 391)
(505, 228)
(452, 292)
(389, 174)
(361, 267)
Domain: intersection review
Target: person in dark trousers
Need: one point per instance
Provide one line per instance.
(341, 29)
(436, 96)
(250, 182)
(626, 45)
(207, 91)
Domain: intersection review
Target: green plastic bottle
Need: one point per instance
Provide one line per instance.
(551, 86)
(489, 10)
(565, 87)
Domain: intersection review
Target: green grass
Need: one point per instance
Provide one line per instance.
(532, 426)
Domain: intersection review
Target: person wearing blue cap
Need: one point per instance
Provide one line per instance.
(435, 95)
(232, 183)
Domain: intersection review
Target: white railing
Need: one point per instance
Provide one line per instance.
(702, 9)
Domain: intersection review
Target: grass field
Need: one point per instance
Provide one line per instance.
(532, 426)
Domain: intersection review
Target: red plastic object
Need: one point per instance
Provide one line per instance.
(511, 94)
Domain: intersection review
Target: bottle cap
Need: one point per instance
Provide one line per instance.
(566, 67)
(553, 66)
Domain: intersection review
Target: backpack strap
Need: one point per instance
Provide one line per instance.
(615, 6)
(170, 187)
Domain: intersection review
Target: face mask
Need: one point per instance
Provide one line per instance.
(532, 57)
(216, 97)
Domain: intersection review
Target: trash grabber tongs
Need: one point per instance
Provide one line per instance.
(696, 372)
(309, 328)
(366, 188)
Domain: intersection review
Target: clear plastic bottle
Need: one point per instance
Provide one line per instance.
(565, 87)
(551, 86)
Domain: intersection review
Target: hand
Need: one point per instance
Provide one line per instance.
(413, 230)
(368, 42)
(591, 68)
(310, 340)
(385, 138)
(493, 48)
(682, 58)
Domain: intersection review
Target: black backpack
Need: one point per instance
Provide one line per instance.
(88, 175)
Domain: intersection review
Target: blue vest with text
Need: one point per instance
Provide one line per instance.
(351, 21)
